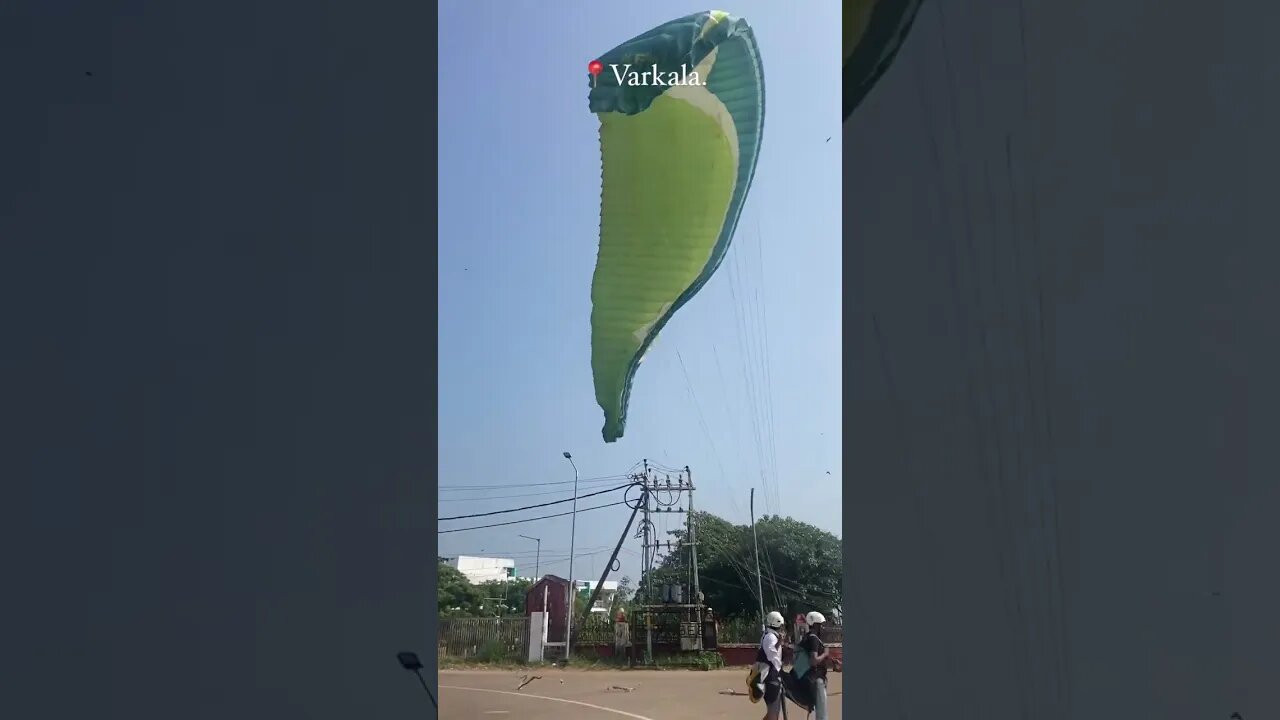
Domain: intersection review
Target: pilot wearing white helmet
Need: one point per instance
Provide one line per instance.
(769, 665)
(818, 657)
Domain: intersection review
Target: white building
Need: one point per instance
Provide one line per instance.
(608, 591)
(483, 569)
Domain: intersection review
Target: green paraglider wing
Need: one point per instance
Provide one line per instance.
(681, 110)
(873, 32)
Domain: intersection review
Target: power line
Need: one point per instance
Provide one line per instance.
(564, 557)
(540, 517)
(482, 498)
(530, 507)
(602, 478)
(521, 555)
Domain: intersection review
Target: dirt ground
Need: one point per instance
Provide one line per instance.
(593, 695)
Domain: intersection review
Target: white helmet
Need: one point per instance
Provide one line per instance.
(773, 619)
(815, 618)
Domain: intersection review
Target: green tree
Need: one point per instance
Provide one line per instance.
(455, 594)
(510, 596)
(622, 598)
(801, 566)
(803, 563)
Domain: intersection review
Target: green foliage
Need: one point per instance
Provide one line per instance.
(456, 596)
(622, 599)
(740, 629)
(801, 566)
(708, 660)
(509, 594)
(705, 660)
(492, 651)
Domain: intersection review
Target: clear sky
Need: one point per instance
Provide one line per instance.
(743, 385)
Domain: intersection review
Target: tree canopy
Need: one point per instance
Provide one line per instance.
(457, 597)
(800, 566)
(455, 594)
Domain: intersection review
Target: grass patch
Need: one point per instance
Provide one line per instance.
(702, 661)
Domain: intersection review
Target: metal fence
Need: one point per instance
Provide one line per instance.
(747, 630)
(484, 639)
(596, 629)
(507, 639)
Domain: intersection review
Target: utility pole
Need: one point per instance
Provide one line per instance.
(693, 546)
(537, 562)
(595, 594)
(573, 584)
(499, 605)
(687, 603)
(755, 539)
(646, 562)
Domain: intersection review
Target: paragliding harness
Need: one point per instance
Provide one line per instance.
(757, 685)
(798, 690)
(797, 683)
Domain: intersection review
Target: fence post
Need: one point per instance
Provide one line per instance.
(537, 635)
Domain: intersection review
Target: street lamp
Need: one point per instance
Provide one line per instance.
(573, 586)
(409, 661)
(537, 572)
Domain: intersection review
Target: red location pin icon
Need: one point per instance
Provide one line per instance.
(595, 67)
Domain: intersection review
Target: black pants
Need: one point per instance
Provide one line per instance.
(772, 688)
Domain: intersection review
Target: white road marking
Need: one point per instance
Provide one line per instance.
(552, 699)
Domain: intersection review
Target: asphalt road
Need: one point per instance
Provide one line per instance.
(590, 695)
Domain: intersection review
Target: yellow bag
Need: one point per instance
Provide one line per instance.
(753, 677)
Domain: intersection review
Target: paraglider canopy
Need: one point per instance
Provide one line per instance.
(681, 111)
(873, 31)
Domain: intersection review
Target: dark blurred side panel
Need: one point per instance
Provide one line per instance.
(217, 361)
(1061, 345)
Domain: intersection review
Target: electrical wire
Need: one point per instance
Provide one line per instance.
(636, 503)
(545, 560)
(540, 517)
(531, 507)
(527, 554)
(483, 498)
(602, 478)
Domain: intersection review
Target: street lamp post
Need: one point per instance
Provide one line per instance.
(573, 586)
(537, 562)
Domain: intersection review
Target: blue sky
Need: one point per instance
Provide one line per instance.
(756, 354)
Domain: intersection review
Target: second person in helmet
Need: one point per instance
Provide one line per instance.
(818, 657)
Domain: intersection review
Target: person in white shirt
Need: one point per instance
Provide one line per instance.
(769, 665)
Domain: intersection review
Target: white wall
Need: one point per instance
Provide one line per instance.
(608, 590)
(483, 569)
